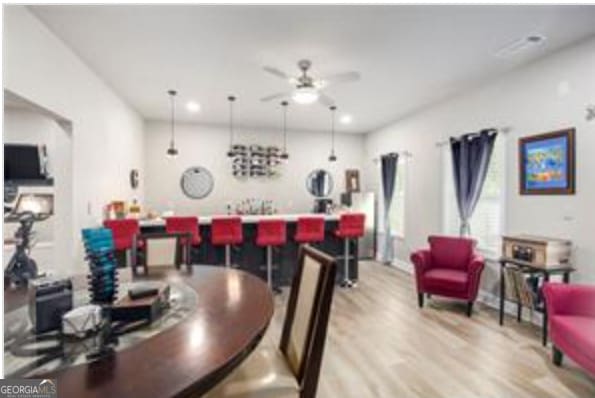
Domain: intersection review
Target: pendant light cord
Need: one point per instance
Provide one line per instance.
(231, 99)
(333, 109)
(172, 94)
(284, 103)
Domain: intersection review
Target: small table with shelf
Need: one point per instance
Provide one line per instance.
(528, 268)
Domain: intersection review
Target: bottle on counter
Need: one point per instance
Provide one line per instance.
(134, 209)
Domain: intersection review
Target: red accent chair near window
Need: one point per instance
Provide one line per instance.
(571, 318)
(450, 268)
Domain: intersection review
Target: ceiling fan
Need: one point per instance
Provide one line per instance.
(306, 88)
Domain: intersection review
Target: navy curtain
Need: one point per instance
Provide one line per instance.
(471, 155)
(389, 163)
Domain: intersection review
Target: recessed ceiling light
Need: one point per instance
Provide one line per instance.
(193, 106)
(346, 119)
(520, 45)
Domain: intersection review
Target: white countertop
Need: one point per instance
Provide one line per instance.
(205, 220)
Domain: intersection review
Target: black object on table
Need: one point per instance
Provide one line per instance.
(535, 272)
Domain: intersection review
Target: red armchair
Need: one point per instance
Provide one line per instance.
(450, 268)
(571, 318)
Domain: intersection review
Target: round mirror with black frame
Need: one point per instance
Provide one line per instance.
(319, 183)
(197, 182)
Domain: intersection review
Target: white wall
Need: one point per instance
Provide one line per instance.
(107, 135)
(206, 146)
(545, 96)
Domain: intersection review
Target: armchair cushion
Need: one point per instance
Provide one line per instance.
(449, 279)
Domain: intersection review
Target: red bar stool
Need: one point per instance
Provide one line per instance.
(226, 231)
(271, 233)
(186, 225)
(124, 232)
(310, 230)
(351, 226)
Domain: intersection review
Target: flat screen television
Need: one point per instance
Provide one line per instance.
(22, 162)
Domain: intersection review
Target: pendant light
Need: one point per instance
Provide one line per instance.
(172, 152)
(284, 154)
(231, 100)
(332, 157)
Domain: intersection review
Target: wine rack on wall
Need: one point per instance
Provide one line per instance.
(255, 161)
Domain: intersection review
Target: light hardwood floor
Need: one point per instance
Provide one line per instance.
(380, 344)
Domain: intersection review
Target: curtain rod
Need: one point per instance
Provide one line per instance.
(502, 130)
(405, 154)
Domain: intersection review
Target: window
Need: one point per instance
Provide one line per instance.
(487, 221)
(397, 208)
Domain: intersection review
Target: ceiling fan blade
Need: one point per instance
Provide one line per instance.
(344, 77)
(275, 96)
(276, 72)
(326, 100)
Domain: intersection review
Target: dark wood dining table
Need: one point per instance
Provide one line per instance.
(233, 311)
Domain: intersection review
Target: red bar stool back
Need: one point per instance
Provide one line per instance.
(226, 231)
(351, 226)
(271, 233)
(186, 225)
(123, 232)
(310, 229)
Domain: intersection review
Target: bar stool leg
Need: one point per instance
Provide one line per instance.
(227, 256)
(346, 281)
(269, 267)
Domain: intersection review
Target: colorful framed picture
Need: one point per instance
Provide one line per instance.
(547, 163)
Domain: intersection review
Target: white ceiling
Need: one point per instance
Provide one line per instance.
(408, 56)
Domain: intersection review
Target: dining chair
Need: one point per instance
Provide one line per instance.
(293, 369)
(160, 250)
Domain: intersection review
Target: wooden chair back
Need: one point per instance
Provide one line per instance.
(306, 322)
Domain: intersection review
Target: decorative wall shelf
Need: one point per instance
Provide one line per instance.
(255, 161)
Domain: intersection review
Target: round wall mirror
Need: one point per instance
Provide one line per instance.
(319, 183)
(197, 182)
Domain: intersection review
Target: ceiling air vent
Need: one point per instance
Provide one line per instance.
(520, 45)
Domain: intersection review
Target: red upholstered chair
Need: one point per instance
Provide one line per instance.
(351, 226)
(450, 268)
(310, 230)
(571, 318)
(271, 233)
(227, 231)
(187, 225)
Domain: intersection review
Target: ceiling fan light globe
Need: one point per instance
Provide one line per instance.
(305, 95)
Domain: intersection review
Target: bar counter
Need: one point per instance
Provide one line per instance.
(252, 258)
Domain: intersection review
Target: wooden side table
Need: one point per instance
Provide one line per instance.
(528, 268)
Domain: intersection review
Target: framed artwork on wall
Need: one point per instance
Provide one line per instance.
(352, 180)
(547, 163)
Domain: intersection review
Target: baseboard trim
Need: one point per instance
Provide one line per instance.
(484, 297)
